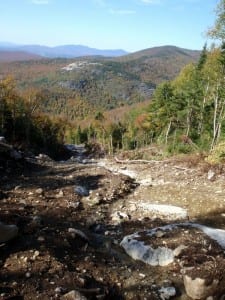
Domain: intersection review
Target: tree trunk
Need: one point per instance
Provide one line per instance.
(200, 124)
(168, 130)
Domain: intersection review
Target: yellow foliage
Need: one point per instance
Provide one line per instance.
(217, 155)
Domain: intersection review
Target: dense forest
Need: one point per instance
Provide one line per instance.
(185, 113)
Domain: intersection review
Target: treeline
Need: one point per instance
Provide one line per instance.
(185, 114)
(24, 125)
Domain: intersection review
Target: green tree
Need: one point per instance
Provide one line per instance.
(217, 31)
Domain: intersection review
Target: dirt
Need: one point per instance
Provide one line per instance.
(68, 242)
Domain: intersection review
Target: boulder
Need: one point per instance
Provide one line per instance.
(198, 288)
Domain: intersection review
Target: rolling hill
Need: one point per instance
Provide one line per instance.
(76, 87)
(9, 56)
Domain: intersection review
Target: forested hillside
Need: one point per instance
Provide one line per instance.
(185, 113)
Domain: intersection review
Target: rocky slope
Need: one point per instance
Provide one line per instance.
(72, 217)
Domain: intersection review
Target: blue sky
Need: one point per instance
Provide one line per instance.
(131, 25)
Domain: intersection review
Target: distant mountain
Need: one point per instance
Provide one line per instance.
(159, 63)
(64, 51)
(10, 56)
(163, 51)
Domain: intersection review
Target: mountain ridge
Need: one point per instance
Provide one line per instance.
(74, 51)
(62, 51)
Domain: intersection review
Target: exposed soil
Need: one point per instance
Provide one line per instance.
(71, 242)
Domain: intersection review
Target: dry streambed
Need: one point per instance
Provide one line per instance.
(77, 221)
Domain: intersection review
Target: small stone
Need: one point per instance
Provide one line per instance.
(167, 292)
(159, 233)
(178, 250)
(58, 290)
(28, 274)
(22, 201)
(39, 191)
(60, 194)
(36, 253)
(211, 175)
(36, 221)
(119, 217)
(73, 295)
(41, 239)
(81, 191)
(17, 187)
(76, 232)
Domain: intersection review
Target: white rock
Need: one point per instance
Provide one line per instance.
(211, 175)
(137, 249)
(163, 256)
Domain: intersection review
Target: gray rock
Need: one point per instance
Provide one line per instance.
(167, 292)
(81, 190)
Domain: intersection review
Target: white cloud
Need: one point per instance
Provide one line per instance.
(122, 12)
(40, 2)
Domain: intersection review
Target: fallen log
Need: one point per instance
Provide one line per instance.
(139, 161)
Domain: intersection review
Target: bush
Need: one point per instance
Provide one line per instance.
(217, 155)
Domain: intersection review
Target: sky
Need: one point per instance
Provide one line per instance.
(131, 25)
